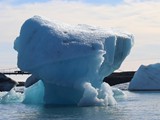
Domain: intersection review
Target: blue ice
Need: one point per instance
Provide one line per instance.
(71, 61)
(146, 78)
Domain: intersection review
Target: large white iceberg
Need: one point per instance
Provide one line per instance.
(146, 78)
(71, 60)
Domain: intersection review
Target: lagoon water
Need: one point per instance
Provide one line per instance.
(136, 106)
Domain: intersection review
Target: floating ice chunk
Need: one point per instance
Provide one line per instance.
(11, 97)
(34, 94)
(90, 96)
(97, 97)
(146, 78)
(118, 94)
(67, 57)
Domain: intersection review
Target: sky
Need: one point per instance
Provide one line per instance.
(139, 17)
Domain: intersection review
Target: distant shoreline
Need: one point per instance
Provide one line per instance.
(113, 79)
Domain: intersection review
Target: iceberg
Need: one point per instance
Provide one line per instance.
(146, 78)
(71, 61)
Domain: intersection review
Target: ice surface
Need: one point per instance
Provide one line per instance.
(98, 97)
(34, 94)
(70, 60)
(11, 97)
(146, 78)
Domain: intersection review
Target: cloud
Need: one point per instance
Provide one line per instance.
(102, 2)
(136, 16)
(138, 1)
(20, 2)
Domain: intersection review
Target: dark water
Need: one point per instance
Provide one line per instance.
(136, 106)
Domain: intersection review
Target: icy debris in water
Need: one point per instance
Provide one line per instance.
(12, 97)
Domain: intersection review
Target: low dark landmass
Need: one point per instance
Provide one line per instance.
(20, 84)
(6, 83)
(119, 77)
(113, 79)
(16, 73)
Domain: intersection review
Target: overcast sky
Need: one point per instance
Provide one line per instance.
(140, 17)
